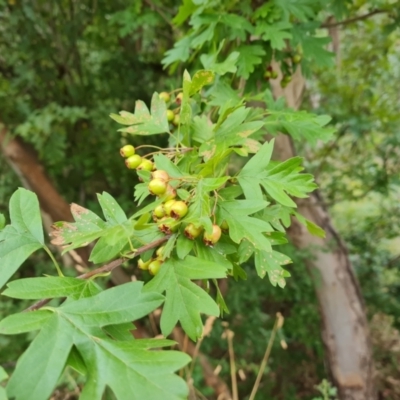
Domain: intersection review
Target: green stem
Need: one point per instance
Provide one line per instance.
(54, 261)
(148, 145)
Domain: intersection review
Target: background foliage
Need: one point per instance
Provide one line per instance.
(76, 62)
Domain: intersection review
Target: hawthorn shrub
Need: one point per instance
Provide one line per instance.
(199, 217)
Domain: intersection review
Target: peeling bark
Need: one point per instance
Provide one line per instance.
(345, 330)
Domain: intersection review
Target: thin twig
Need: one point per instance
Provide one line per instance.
(106, 268)
(229, 338)
(277, 325)
(355, 19)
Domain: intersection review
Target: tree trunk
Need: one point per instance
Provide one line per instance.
(345, 330)
(23, 160)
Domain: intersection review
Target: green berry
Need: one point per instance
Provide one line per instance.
(179, 209)
(296, 59)
(127, 151)
(154, 267)
(170, 194)
(176, 120)
(179, 98)
(167, 226)
(170, 115)
(133, 162)
(160, 174)
(168, 207)
(159, 211)
(143, 264)
(267, 74)
(211, 239)
(165, 96)
(192, 232)
(157, 187)
(160, 251)
(146, 165)
(274, 74)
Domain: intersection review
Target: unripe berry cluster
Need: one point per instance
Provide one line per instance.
(134, 161)
(172, 115)
(152, 265)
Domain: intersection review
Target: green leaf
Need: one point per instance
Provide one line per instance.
(250, 56)
(3, 374)
(260, 161)
(24, 322)
(2, 221)
(201, 78)
(23, 236)
(270, 262)
(113, 306)
(87, 227)
(235, 130)
(180, 52)
(183, 246)
(164, 163)
(237, 25)
(40, 370)
(114, 233)
(144, 122)
(242, 226)
(76, 362)
(211, 254)
(120, 331)
(200, 208)
(37, 288)
(184, 12)
(127, 367)
(276, 33)
(133, 372)
(314, 229)
(184, 299)
(277, 179)
(209, 62)
(301, 9)
(3, 377)
(111, 209)
(186, 109)
(301, 125)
